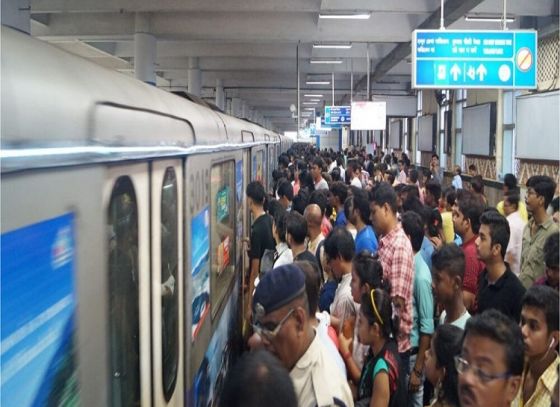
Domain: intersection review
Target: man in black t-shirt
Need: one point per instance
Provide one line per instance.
(498, 287)
(261, 230)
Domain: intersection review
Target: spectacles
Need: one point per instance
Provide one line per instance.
(271, 333)
(463, 366)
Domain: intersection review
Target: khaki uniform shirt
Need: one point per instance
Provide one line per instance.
(532, 255)
(317, 379)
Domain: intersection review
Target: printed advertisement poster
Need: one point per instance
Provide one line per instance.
(37, 309)
(209, 380)
(200, 238)
(239, 180)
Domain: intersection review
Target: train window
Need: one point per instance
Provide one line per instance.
(169, 287)
(124, 343)
(258, 162)
(222, 231)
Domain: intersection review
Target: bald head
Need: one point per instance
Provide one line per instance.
(313, 215)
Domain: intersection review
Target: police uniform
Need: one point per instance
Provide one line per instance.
(316, 377)
(318, 381)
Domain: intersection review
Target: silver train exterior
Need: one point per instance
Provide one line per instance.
(122, 212)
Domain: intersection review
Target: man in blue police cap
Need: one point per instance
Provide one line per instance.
(281, 318)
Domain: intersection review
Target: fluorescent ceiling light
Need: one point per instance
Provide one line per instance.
(333, 46)
(313, 95)
(309, 108)
(325, 61)
(485, 19)
(317, 82)
(346, 16)
(315, 100)
(309, 103)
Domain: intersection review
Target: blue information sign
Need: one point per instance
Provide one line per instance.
(337, 115)
(474, 59)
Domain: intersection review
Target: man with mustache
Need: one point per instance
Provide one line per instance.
(491, 361)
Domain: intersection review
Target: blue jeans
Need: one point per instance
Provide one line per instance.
(415, 399)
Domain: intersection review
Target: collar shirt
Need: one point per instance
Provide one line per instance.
(422, 301)
(312, 245)
(283, 255)
(532, 256)
(504, 294)
(395, 255)
(473, 266)
(457, 182)
(366, 240)
(513, 252)
(321, 184)
(356, 182)
(542, 396)
(343, 305)
(318, 381)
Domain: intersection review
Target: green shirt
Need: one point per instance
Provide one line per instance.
(532, 255)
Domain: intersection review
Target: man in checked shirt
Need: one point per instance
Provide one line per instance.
(396, 257)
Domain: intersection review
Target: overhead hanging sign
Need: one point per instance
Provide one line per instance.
(369, 116)
(337, 115)
(464, 59)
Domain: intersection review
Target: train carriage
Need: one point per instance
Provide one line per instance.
(123, 214)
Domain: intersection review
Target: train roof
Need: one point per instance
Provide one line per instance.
(51, 98)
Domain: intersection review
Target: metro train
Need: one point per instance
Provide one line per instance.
(123, 213)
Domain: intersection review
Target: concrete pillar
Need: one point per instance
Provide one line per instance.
(228, 107)
(499, 134)
(220, 94)
(16, 14)
(236, 107)
(144, 50)
(194, 77)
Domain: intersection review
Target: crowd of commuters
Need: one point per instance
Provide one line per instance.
(374, 283)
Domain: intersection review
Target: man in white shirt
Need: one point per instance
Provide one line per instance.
(283, 254)
(317, 174)
(313, 217)
(354, 169)
(281, 318)
(516, 226)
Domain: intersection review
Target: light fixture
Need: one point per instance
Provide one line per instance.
(317, 82)
(325, 61)
(315, 100)
(333, 46)
(313, 95)
(309, 108)
(309, 103)
(489, 19)
(346, 16)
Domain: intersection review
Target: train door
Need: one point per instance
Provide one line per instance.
(167, 281)
(246, 233)
(126, 198)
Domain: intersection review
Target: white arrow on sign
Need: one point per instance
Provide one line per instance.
(455, 71)
(481, 71)
(471, 73)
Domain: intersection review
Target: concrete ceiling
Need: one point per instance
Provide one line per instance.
(251, 44)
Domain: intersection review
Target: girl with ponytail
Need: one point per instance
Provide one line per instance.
(380, 382)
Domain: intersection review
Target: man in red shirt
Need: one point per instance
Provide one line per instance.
(466, 221)
(396, 257)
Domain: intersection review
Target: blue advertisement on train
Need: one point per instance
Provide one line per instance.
(209, 380)
(38, 304)
(239, 180)
(200, 238)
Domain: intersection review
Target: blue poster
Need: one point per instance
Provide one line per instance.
(239, 180)
(37, 309)
(200, 240)
(209, 380)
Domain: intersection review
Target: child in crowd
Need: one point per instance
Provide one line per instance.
(448, 265)
(367, 274)
(539, 326)
(440, 365)
(380, 380)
